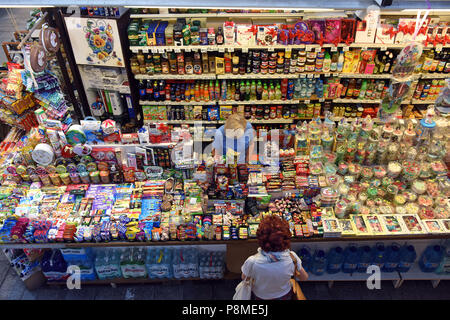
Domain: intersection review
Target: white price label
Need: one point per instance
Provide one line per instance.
(321, 100)
(308, 48)
(439, 47)
(307, 101)
(383, 48)
(310, 75)
(177, 50)
(318, 49)
(316, 75)
(145, 50)
(326, 74)
(333, 49)
(221, 49)
(346, 48)
(203, 50)
(161, 50)
(244, 50)
(271, 49)
(363, 48)
(154, 50)
(303, 75)
(335, 74)
(230, 49)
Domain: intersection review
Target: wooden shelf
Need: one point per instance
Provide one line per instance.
(211, 242)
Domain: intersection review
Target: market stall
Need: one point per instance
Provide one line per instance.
(351, 135)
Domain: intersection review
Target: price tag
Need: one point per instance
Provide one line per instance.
(154, 50)
(203, 50)
(271, 49)
(316, 75)
(318, 49)
(302, 75)
(308, 48)
(230, 49)
(333, 49)
(161, 50)
(383, 48)
(345, 49)
(310, 75)
(439, 47)
(326, 74)
(187, 49)
(177, 50)
(307, 101)
(363, 48)
(321, 100)
(221, 49)
(244, 50)
(145, 50)
(335, 74)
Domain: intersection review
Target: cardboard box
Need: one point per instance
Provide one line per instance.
(366, 29)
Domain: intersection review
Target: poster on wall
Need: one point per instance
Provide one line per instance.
(95, 41)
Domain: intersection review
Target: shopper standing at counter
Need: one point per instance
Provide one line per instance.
(272, 268)
(235, 139)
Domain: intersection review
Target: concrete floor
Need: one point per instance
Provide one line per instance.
(12, 288)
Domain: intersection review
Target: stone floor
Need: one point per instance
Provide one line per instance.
(12, 288)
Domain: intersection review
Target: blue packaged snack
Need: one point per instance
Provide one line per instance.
(213, 113)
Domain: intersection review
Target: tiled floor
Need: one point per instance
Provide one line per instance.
(12, 288)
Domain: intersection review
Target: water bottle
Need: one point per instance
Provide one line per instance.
(319, 263)
(379, 255)
(392, 258)
(305, 255)
(193, 264)
(365, 257)
(351, 259)
(115, 264)
(431, 258)
(335, 258)
(176, 263)
(407, 257)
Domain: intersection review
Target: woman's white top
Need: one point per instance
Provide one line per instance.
(271, 272)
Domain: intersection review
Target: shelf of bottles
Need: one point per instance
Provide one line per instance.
(204, 70)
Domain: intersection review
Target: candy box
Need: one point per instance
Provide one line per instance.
(367, 28)
(318, 28)
(245, 35)
(348, 27)
(229, 32)
(386, 31)
(406, 29)
(266, 35)
(332, 31)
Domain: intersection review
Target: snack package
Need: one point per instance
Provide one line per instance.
(14, 82)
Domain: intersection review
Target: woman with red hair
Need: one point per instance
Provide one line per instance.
(273, 266)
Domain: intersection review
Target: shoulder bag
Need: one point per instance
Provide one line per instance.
(298, 293)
